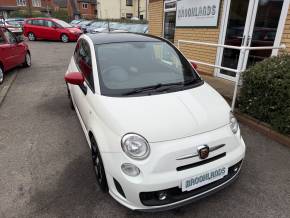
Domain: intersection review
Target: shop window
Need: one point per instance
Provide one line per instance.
(85, 5)
(21, 2)
(129, 2)
(129, 15)
(36, 3)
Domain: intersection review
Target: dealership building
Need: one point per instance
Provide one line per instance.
(231, 22)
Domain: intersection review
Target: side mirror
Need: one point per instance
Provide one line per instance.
(75, 78)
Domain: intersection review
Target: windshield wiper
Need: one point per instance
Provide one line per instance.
(159, 87)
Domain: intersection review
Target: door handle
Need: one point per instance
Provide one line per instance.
(84, 88)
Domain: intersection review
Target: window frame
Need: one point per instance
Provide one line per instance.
(129, 15)
(36, 3)
(7, 39)
(3, 37)
(129, 3)
(86, 5)
(21, 2)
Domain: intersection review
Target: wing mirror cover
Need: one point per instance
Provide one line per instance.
(75, 78)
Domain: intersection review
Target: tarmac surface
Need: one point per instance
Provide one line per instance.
(46, 169)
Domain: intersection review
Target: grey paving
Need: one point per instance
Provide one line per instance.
(45, 166)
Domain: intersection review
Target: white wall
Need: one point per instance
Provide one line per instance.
(116, 9)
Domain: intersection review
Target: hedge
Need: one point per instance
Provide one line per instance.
(265, 92)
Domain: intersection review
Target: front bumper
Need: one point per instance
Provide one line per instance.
(74, 36)
(161, 173)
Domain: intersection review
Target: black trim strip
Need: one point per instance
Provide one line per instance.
(201, 162)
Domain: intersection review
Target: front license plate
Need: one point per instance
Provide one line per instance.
(204, 179)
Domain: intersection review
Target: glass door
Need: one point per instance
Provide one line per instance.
(249, 22)
(169, 20)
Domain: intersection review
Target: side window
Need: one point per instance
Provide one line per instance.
(48, 23)
(84, 62)
(2, 40)
(11, 39)
(37, 22)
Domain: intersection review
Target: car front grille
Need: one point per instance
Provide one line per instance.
(175, 194)
(189, 166)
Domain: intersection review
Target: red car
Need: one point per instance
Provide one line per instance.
(50, 29)
(13, 52)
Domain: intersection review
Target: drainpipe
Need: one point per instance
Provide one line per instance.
(29, 8)
(138, 5)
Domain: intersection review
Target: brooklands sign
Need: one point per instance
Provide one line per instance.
(197, 13)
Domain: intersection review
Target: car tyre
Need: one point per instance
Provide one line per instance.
(27, 61)
(1, 75)
(64, 38)
(31, 36)
(99, 166)
(70, 99)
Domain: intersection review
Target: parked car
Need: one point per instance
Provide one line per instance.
(83, 25)
(12, 26)
(136, 28)
(75, 22)
(50, 29)
(95, 26)
(13, 52)
(17, 20)
(160, 136)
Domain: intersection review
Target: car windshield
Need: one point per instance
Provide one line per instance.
(75, 21)
(63, 23)
(134, 68)
(85, 22)
(97, 24)
(13, 23)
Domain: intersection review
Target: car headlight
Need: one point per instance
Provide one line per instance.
(135, 146)
(233, 123)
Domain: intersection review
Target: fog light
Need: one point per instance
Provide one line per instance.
(236, 169)
(130, 169)
(162, 196)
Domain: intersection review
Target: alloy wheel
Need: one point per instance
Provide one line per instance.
(1, 76)
(64, 38)
(97, 164)
(31, 37)
(27, 60)
(99, 167)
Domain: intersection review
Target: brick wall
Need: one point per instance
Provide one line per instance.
(87, 13)
(286, 32)
(156, 17)
(7, 2)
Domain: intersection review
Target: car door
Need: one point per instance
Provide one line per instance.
(5, 54)
(11, 50)
(50, 31)
(82, 94)
(37, 28)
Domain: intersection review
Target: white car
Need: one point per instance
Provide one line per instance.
(160, 136)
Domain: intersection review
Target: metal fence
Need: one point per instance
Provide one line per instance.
(241, 66)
